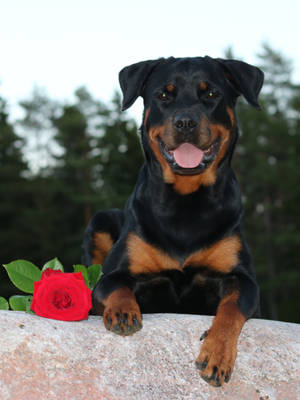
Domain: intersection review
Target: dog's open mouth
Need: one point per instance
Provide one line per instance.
(187, 159)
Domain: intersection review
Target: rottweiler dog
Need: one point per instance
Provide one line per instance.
(178, 246)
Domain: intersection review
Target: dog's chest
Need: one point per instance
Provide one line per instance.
(182, 292)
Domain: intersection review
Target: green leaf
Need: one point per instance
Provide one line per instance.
(53, 264)
(23, 274)
(3, 304)
(82, 268)
(20, 303)
(28, 302)
(94, 274)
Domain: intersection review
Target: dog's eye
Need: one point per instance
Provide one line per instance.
(163, 96)
(211, 94)
(167, 93)
(208, 94)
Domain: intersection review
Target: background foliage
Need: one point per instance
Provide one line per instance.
(85, 156)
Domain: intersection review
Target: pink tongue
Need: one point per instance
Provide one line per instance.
(188, 155)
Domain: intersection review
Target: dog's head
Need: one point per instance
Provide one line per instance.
(189, 121)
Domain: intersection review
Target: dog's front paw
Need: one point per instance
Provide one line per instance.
(123, 322)
(122, 314)
(216, 359)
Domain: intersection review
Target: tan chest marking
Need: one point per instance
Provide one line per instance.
(146, 259)
(221, 257)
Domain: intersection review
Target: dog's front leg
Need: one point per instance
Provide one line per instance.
(218, 353)
(113, 297)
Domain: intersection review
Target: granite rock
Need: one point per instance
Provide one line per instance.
(47, 359)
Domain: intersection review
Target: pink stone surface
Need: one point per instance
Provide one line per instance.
(47, 359)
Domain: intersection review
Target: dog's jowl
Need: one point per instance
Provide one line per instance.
(178, 245)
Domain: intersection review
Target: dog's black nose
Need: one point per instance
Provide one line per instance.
(185, 123)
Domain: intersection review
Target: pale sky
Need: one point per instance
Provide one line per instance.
(63, 44)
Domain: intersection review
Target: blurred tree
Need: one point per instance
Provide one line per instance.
(37, 129)
(13, 187)
(120, 156)
(92, 156)
(267, 161)
(99, 164)
(72, 173)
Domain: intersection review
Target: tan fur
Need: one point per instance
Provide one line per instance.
(120, 311)
(102, 245)
(221, 257)
(170, 88)
(145, 259)
(231, 115)
(203, 85)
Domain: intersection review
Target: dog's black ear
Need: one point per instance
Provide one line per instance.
(245, 78)
(132, 80)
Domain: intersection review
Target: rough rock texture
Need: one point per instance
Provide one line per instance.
(47, 359)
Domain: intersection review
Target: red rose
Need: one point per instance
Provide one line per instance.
(63, 296)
